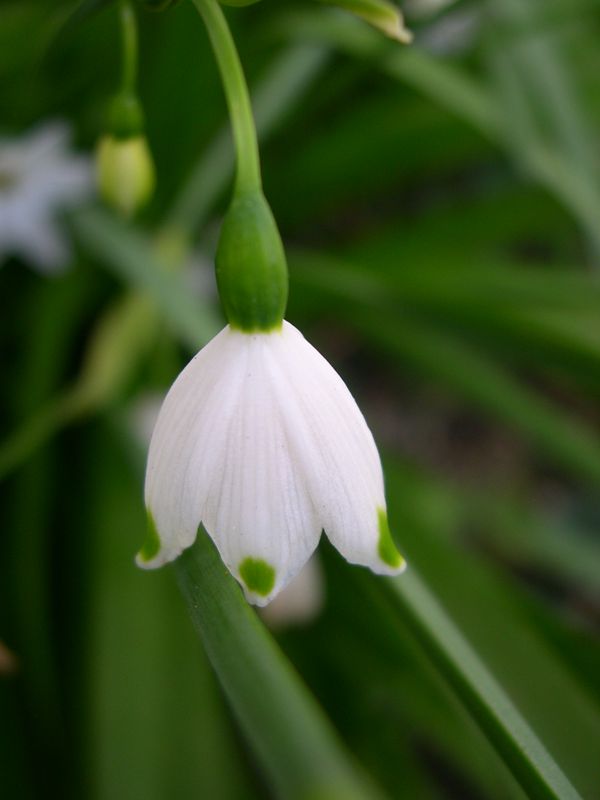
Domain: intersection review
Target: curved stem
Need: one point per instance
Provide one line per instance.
(236, 93)
(130, 46)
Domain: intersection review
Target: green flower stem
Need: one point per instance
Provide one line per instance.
(130, 47)
(236, 92)
(288, 731)
(283, 86)
(525, 755)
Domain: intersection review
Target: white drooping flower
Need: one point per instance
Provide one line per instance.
(39, 179)
(260, 441)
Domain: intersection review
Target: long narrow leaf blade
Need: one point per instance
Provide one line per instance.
(291, 737)
(501, 721)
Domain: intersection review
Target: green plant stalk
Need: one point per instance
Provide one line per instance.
(292, 738)
(282, 86)
(130, 47)
(527, 758)
(248, 178)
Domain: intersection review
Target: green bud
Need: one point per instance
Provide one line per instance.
(382, 14)
(125, 116)
(251, 267)
(125, 172)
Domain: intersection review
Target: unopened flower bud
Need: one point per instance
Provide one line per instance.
(382, 14)
(125, 172)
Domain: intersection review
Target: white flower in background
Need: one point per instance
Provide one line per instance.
(260, 441)
(39, 179)
(452, 33)
(142, 416)
(426, 8)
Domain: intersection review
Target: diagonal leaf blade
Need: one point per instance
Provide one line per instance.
(293, 740)
(489, 704)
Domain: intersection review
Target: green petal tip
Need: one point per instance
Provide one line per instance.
(151, 547)
(386, 548)
(258, 575)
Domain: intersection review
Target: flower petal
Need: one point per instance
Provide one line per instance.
(258, 509)
(220, 455)
(329, 436)
(188, 436)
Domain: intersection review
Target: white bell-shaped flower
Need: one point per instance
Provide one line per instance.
(260, 441)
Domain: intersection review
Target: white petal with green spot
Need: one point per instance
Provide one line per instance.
(260, 441)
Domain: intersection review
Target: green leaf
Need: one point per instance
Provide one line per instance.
(475, 103)
(493, 611)
(287, 730)
(156, 723)
(498, 717)
(133, 258)
(484, 383)
(467, 370)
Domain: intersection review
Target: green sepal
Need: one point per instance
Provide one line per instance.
(125, 116)
(251, 267)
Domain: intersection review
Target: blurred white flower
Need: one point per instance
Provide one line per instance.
(260, 440)
(40, 178)
(300, 601)
(452, 33)
(426, 8)
(142, 416)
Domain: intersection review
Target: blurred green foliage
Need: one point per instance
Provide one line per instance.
(440, 206)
